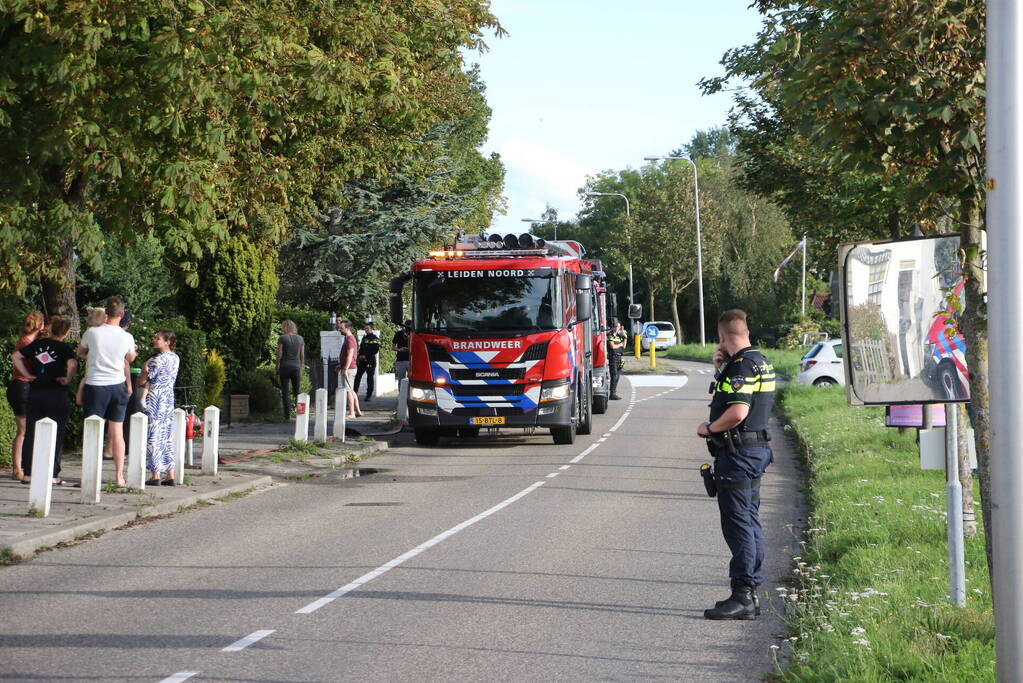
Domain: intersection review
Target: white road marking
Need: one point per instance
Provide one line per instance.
(564, 467)
(180, 676)
(383, 569)
(401, 559)
(253, 637)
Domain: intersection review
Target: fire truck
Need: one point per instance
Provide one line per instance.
(603, 311)
(503, 336)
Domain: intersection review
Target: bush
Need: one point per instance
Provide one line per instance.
(264, 396)
(215, 377)
(7, 426)
(235, 300)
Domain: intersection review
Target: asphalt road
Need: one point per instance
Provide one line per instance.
(497, 558)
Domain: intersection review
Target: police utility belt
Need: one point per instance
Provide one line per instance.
(735, 438)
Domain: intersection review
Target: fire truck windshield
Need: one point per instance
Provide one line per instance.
(481, 301)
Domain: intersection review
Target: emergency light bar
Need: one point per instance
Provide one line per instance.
(476, 246)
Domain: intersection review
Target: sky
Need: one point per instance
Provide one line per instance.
(582, 86)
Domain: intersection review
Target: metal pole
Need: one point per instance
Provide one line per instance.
(699, 252)
(954, 506)
(1004, 107)
(802, 310)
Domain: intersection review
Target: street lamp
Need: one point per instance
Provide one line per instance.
(534, 221)
(628, 213)
(699, 245)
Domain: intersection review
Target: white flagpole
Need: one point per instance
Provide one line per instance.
(803, 313)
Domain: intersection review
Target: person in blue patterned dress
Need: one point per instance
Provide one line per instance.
(157, 382)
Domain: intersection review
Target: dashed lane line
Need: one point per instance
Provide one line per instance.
(180, 676)
(250, 639)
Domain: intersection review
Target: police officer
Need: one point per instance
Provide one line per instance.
(366, 362)
(616, 341)
(738, 439)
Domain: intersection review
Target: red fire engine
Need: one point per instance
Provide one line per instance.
(603, 311)
(502, 336)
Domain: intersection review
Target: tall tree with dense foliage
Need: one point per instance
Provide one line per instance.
(890, 95)
(202, 118)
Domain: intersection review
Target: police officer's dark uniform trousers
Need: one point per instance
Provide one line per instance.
(741, 456)
(614, 363)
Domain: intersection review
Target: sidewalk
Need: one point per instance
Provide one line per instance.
(255, 448)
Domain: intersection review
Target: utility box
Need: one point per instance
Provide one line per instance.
(932, 449)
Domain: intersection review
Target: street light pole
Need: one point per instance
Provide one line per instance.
(534, 221)
(628, 214)
(1004, 149)
(699, 243)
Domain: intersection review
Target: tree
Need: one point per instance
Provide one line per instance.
(343, 262)
(196, 120)
(235, 301)
(891, 93)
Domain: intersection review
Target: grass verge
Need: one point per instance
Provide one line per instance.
(869, 595)
(785, 361)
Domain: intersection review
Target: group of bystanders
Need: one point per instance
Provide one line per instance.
(358, 359)
(45, 366)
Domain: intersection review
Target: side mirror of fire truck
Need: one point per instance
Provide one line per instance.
(397, 314)
(583, 297)
(583, 307)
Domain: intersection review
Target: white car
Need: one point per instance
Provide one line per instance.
(666, 336)
(822, 365)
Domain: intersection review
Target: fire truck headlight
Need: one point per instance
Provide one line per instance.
(557, 393)
(422, 394)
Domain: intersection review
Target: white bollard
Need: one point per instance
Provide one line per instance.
(178, 439)
(403, 400)
(138, 439)
(302, 418)
(320, 427)
(340, 412)
(41, 491)
(92, 459)
(211, 440)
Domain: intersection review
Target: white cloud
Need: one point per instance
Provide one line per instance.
(538, 175)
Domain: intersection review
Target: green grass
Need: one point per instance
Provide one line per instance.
(785, 361)
(874, 557)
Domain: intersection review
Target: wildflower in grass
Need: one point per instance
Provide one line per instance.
(858, 631)
(862, 641)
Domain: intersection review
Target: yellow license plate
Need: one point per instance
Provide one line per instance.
(486, 420)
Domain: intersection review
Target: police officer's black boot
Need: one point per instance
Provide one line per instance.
(738, 606)
(756, 600)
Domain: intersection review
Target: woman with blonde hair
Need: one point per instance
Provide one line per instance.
(18, 388)
(290, 359)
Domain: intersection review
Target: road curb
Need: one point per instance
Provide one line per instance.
(25, 547)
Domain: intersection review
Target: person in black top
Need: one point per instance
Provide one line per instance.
(738, 439)
(400, 345)
(366, 362)
(50, 364)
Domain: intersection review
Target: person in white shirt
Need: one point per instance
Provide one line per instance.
(108, 350)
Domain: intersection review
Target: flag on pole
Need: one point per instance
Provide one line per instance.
(777, 271)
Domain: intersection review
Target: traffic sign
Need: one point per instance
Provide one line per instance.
(651, 331)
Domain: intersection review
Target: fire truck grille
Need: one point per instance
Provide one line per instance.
(536, 352)
(487, 390)
(459, 374)
(438, 353)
